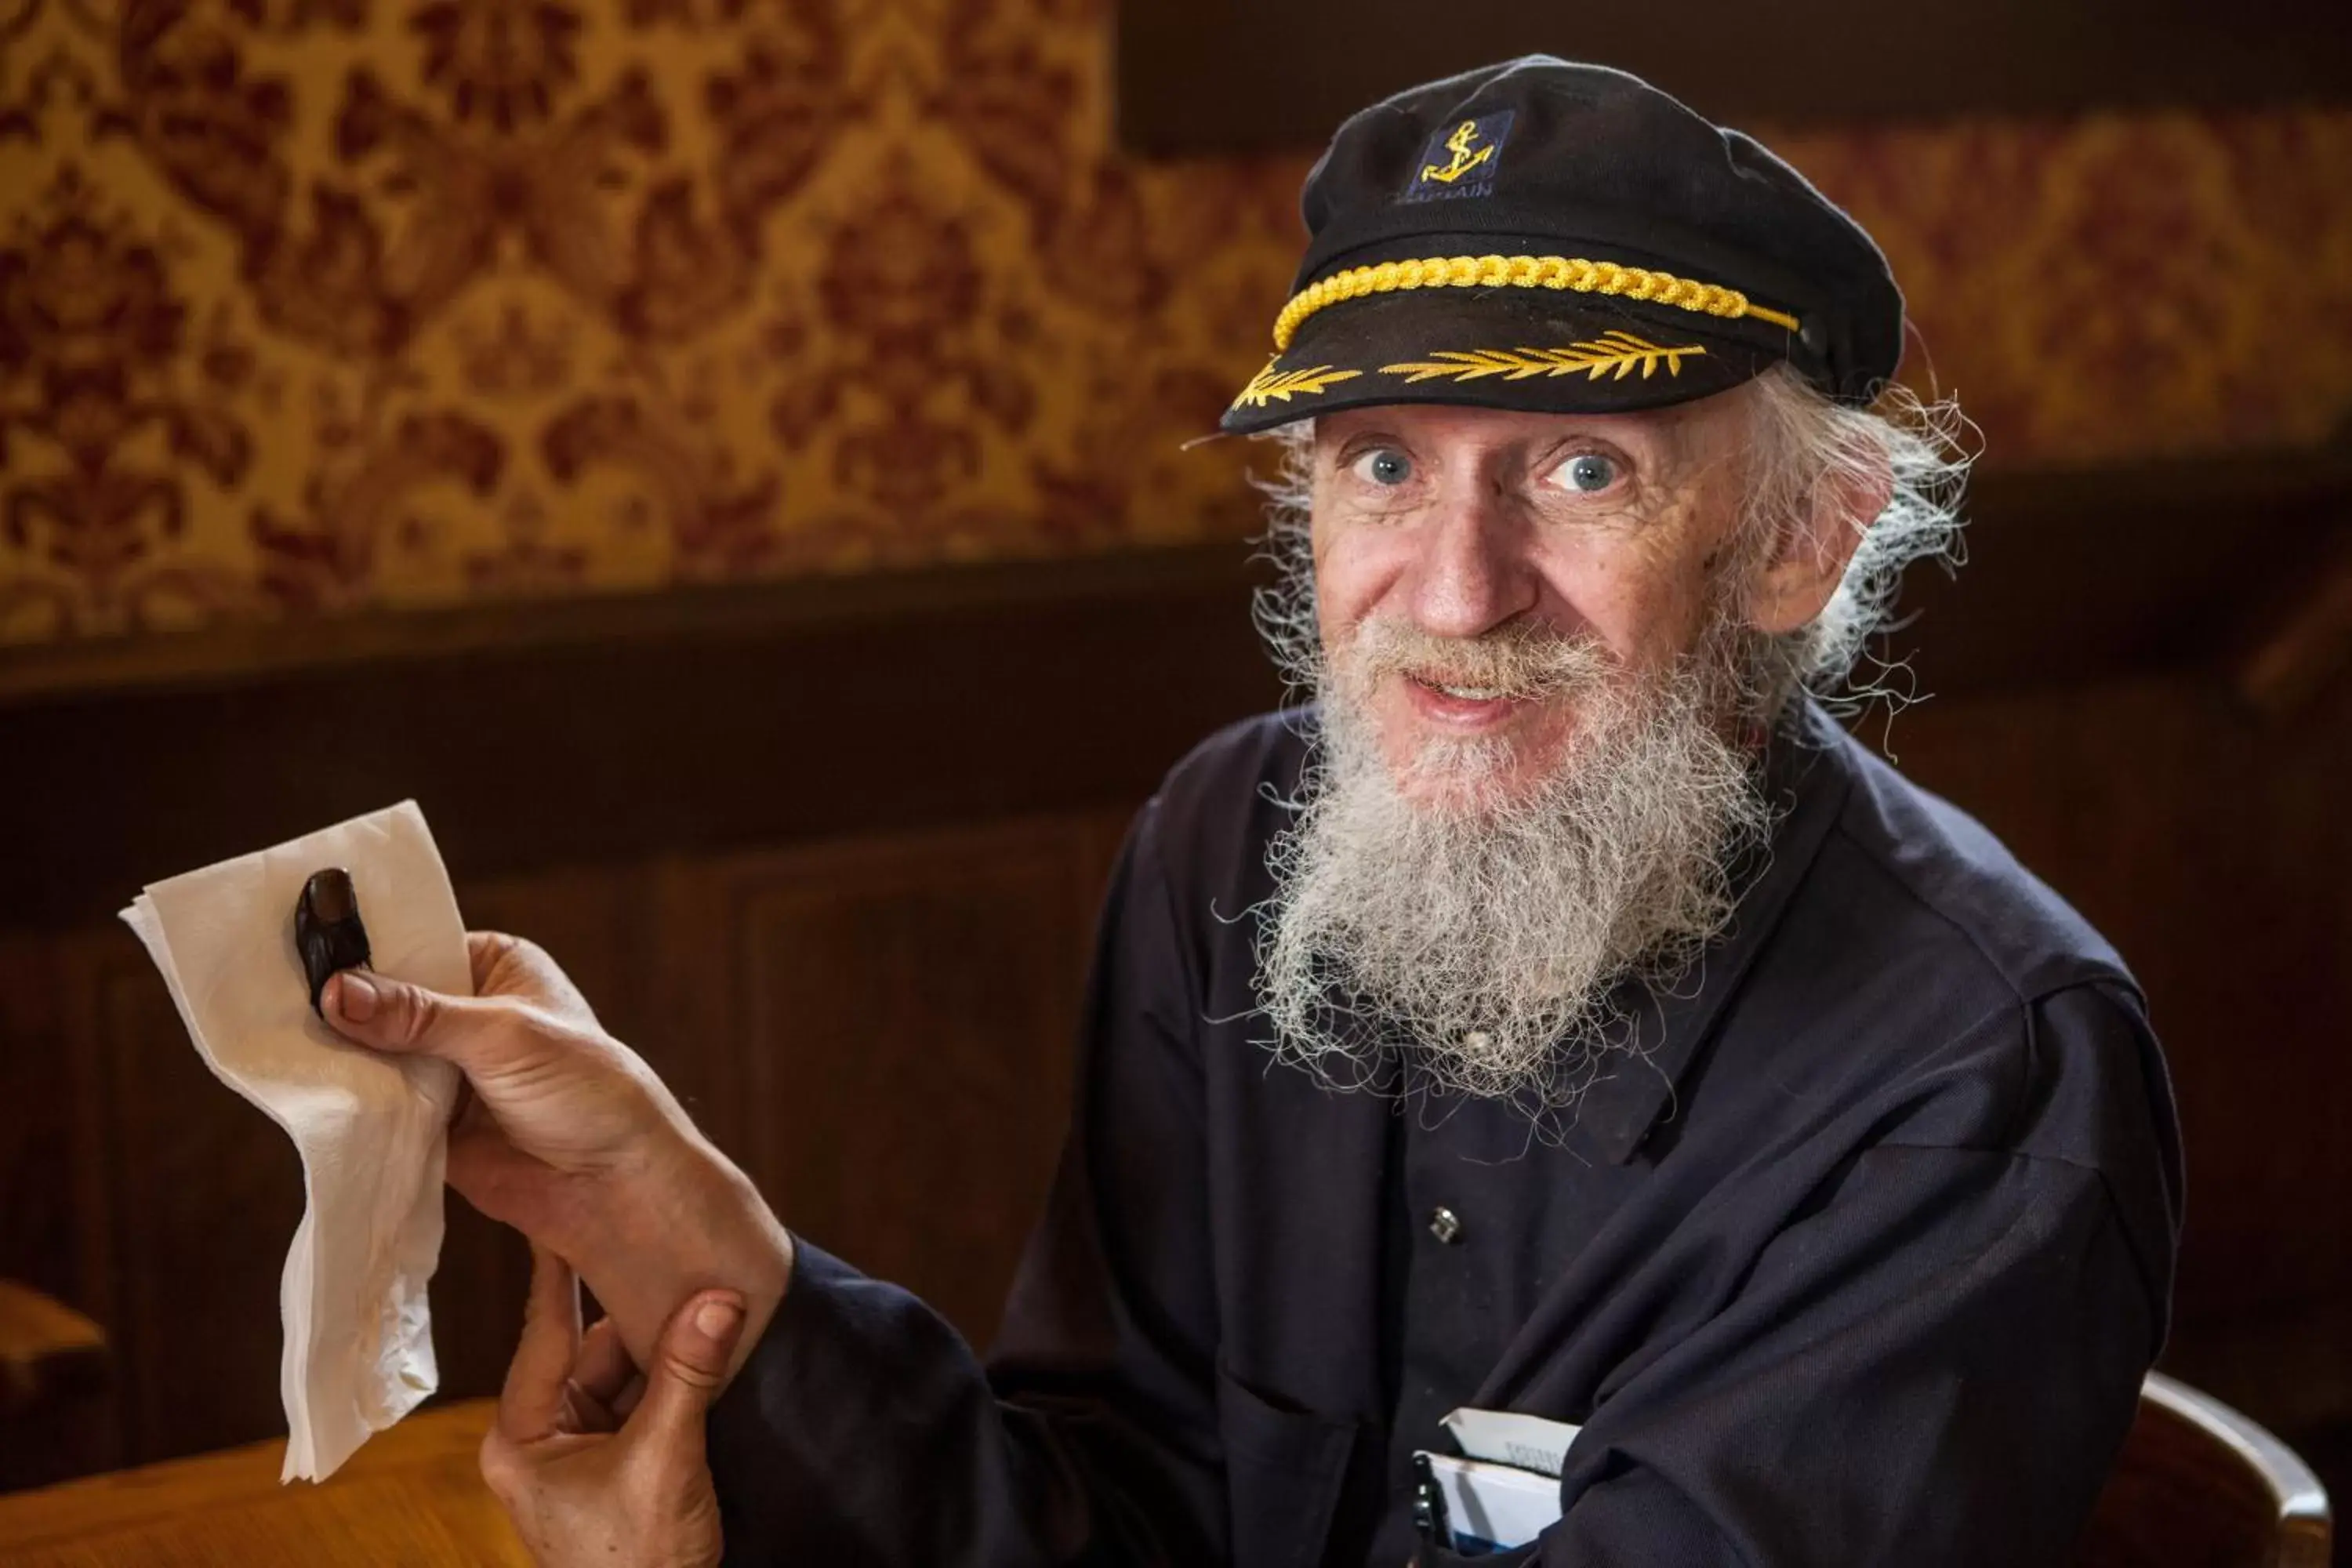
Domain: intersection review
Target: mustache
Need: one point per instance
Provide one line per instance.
(1524, 661)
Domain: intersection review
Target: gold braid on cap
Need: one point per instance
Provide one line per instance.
(1572, 273)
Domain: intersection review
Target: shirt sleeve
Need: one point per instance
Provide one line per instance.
(1936, 1359)
(863, 1428)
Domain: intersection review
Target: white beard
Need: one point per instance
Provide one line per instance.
(1489, 933)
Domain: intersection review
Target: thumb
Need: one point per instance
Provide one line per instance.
(389, 1014)
(689, 1366)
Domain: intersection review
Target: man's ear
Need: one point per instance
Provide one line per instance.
(1796, 582)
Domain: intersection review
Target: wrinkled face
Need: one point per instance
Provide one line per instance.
(1454, 547)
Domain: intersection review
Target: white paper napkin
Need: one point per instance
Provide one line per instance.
(372, 1130)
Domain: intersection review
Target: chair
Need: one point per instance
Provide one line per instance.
(2199, 1486)
(53, 1378)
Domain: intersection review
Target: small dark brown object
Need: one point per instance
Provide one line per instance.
(327, 929)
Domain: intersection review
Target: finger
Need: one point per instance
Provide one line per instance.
(486, 953)
(532, 1402)
(633, 1392)
(602, 1367)
(389, 1014)
(510, 1186)
(689, 1365)
(506, 966)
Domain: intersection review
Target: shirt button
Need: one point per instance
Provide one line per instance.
(1446, 1225)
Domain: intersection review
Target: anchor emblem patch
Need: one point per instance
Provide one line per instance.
(1461, 161)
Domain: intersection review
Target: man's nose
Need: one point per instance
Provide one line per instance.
(1472, 572)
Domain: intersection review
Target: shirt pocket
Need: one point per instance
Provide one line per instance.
(1285, 1469)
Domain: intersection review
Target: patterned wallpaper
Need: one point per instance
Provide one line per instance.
(309, 306)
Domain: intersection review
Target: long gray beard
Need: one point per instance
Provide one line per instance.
(1492, 936)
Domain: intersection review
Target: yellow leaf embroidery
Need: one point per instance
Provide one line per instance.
(1265, 386)
(1614, 354)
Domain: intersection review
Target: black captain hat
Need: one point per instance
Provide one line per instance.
(1557, 237)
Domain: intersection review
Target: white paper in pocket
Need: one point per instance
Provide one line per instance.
(1509, 1437)
(1494, 1505)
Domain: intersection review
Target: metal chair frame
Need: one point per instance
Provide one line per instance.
(2303, 1531)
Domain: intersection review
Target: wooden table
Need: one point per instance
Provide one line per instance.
(412, 1495)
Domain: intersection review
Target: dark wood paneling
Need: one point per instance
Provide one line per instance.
(542, 737)
(2092, 575)
(207, 1194)
(54, 1201)
(1207, 78)
(40, 1093)
(910, 1008)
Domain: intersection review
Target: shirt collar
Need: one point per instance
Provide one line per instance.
(1807, 777)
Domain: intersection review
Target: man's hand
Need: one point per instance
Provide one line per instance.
(586, 1475)
(569, 1137)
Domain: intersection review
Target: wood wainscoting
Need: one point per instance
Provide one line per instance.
(827, 854)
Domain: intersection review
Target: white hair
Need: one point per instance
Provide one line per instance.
(1807, 450)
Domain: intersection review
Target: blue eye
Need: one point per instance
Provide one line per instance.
(1589, 474)
(1386, 465)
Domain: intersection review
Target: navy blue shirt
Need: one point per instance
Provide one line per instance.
(1859, 1260)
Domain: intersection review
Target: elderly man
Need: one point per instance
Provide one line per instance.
(1562, 1020)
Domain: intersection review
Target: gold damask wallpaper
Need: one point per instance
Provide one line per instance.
(309, 306)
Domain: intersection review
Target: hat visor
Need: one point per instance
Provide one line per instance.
(1495, 348)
